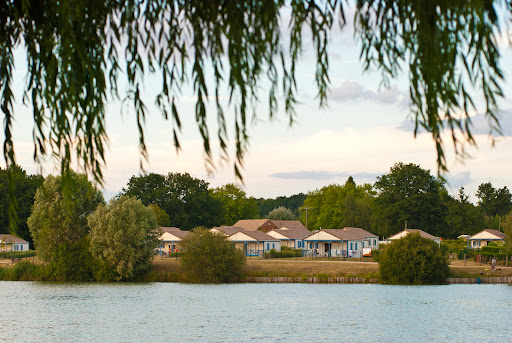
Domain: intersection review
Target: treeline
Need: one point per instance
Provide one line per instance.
(406, 196)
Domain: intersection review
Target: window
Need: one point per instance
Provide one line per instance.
(351, 246)
(356, 246)
(268, 246)
(298, 244)
(310, 245)
(273, 245)
(21, 247)
(375, 242)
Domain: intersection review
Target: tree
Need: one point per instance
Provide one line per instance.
(281, 213)
(494, 202)
(507, 228)
(187, 200)
(162, 217)
(123, 238)
(210, 258)
(58, 225)
(409, 193)
(413, 260)
(74, 66)
(293, 202)
(25, 187)
(235, 204)
(462, 216)
(337, 206)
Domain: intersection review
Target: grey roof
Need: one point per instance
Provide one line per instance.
(289, 224)
(259, 236)
(7, 238)
(179, 233)
(253, 224)
(169, 228)
(349, 233)
(497, 233)
(293, 234)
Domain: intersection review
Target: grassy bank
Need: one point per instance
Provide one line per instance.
(169, 270)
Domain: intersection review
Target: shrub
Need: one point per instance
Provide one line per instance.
(413, 260)
(210, 258)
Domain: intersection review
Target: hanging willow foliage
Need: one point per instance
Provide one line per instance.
(79, 51)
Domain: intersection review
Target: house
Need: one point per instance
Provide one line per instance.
(12, 243)
(254, 243)
(346, 242)
(293, 238)
(170, 240)
(485, 237)
(422, 233)
(266, 225)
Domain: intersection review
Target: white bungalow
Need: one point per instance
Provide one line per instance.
(346, 242)
(422, 233)
(485, 237)
(293, 238)
(255, 243)
(170, 240)
(226, 230)
(12, 243)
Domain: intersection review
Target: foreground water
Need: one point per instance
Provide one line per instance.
(63, 312)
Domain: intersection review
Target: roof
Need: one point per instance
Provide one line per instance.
(228, 230)
(289, 224)
(255, 224)
(408, 231)
(487, 234)
(346, 234)
(176, 233)
(258, 235)
(169, 228)
(7, 238)
(293, 234)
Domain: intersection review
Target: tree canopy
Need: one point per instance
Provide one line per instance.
(80, 52)
(235, 204)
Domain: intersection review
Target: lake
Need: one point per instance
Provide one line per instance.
(171, 312)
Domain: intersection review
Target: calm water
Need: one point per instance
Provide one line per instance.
(61, 312)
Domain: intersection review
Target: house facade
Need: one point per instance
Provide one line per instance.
(254, 243)
(170, 239)
(12, 243)
(293, 238)
(346, 242)
(485, 237)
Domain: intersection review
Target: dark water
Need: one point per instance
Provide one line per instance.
(167, 312)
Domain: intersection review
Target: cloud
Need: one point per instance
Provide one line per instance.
(354, 91)
(479, 124)
(321, 175)
(459, 179)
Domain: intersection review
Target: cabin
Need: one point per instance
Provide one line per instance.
(422, 233)
(12, 243)
(293, 238)
(170, 239)
(346, 242)
(254, 243)
(485, 237)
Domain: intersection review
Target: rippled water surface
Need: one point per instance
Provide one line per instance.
(65, 312)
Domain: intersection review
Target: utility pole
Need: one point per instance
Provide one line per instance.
(306, 208)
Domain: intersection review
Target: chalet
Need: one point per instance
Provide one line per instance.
(485, 237)
(12, 243)
(293, 238)
(266, 225)
(254, 243)
(346, 242)
(226, 230)
(170, 240)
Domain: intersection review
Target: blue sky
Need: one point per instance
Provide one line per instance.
(362, 133)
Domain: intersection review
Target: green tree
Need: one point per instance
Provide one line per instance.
(58, 225)
(492, 201)
(281, 213)
(507, 229)
(462, 216)
(123, 238)
(187, 200)
(409, 193)
(337, 206)
(25, 187)
(293, 202)
(413, 260)
(235, 204)
(210, 258)
(162, 217)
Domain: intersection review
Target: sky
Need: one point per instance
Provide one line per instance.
(365, 129)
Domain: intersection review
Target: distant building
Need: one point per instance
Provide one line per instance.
(254, 243)
(170, 240)
(422, 233)
(226, 230)
(485, 237)
(346, 242)
(293, 238)
(266, 225)
(12, 243)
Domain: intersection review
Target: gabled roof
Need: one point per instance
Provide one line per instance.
(289, 224)
(169, 228)
(405, 232)
(6, 238)
(256, 235)
(346, 234)
(175, 235)
(228, 230)
(255, 224)
(292, 234)
(489, 234)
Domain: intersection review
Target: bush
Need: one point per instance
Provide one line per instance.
(286, 252)
(413, 260)
(210, 258)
